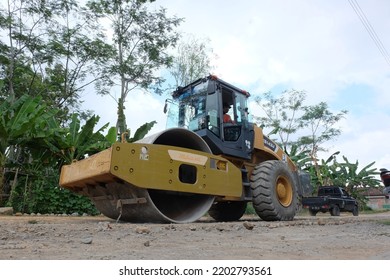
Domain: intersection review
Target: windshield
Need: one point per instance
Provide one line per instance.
(199, 107)
(188, 110)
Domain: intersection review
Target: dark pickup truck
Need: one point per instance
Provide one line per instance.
(333, 199)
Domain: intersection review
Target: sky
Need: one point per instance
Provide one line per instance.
(318, 46)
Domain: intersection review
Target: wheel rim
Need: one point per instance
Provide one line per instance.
(284, 191)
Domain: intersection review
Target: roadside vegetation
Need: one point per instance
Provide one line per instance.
(303, 131)
(51, 52)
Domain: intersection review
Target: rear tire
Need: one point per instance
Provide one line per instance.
(227, 211)
(355, 211)
(335, 211)
(275, 196)
(312, 212)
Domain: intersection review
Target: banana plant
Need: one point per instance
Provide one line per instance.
(344, 173)
(76, 141)
(142, 131)
(350, 176)
(21, 122)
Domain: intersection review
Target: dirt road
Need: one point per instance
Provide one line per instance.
(99, 238)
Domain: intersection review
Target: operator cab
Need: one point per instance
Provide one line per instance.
(199, 108)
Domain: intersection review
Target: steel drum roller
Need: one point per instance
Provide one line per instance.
(129, 203)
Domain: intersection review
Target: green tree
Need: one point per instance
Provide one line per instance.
(322, 125)
(18, 41)
(78, 50)
(34, 88)
(50, 50)
(282, 116)
(304, 128)
(192, 61)
(140, 38)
